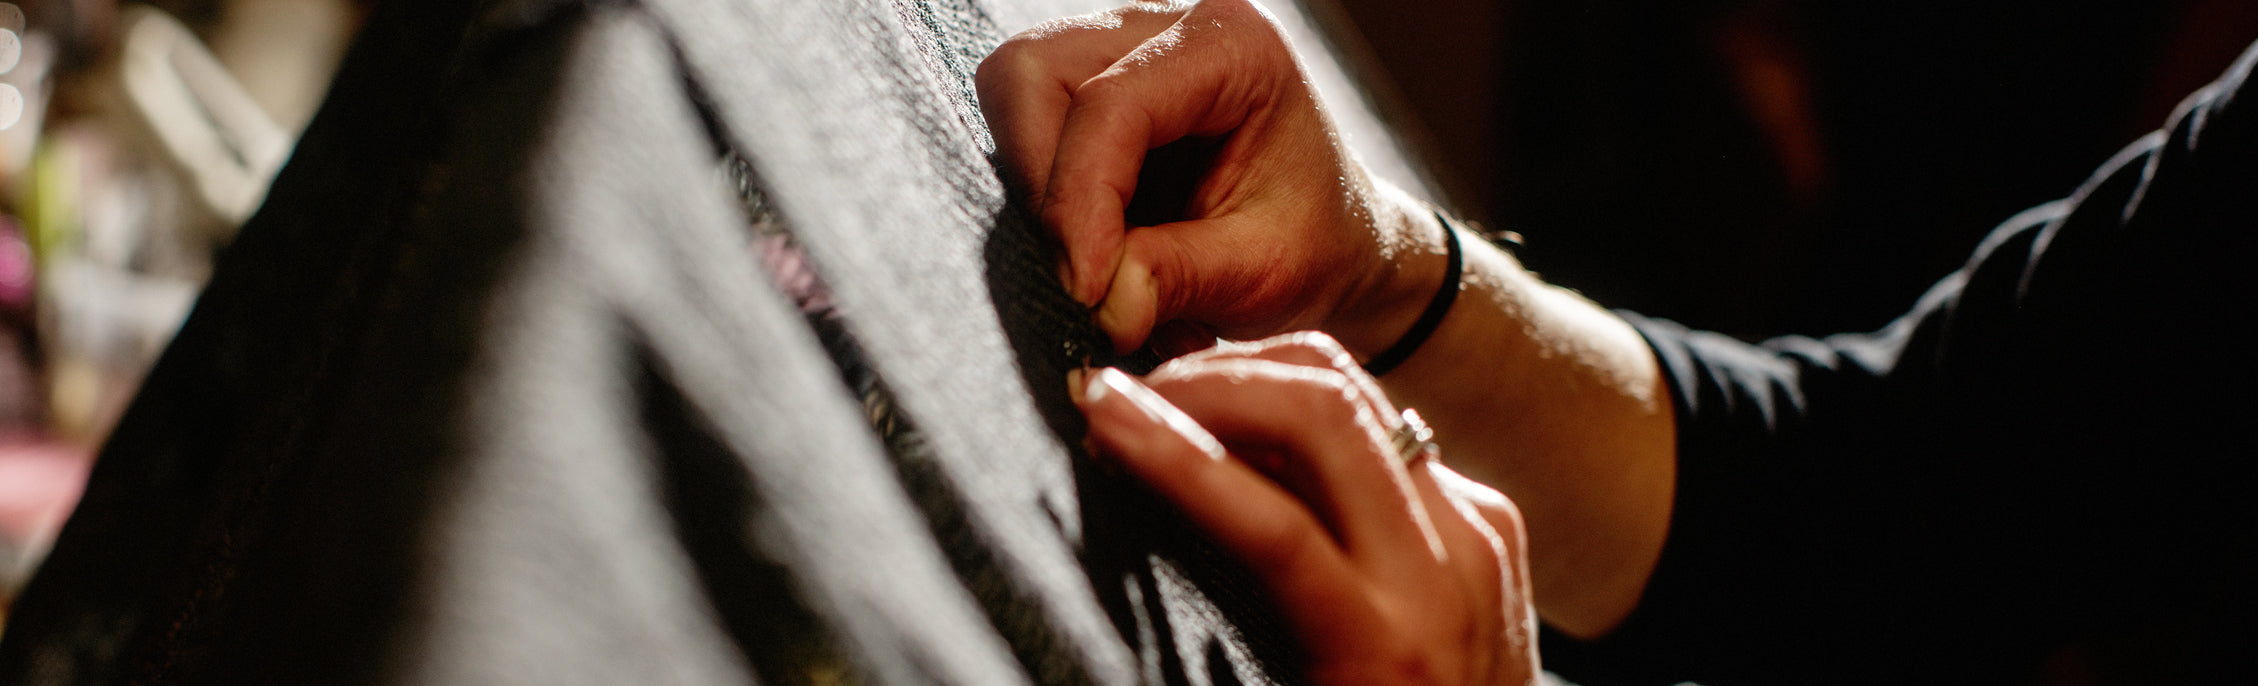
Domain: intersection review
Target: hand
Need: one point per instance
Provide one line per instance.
(1536, 391)
(1388, 572)
(1282, 229)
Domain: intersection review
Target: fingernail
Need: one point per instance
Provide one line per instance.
(1079, 387)
(1095, 390)
(1129, 307)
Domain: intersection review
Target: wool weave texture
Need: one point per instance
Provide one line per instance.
(656, 342)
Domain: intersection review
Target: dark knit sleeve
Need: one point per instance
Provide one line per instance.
(2049, 455)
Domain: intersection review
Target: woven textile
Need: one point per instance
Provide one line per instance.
(681, 341)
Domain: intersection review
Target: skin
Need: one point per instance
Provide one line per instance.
(1389, 571)
(1532, 390)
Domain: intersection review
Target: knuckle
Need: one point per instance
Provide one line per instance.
(1004, 64)
(1288, 548)
(1035, 51)
(1247, 14)
(1513, 526)
(1318, 341)
(1069, 27)
(1323, 395)
(1177, 369)
(1403, 661)
(1226, 6)
(1320, 345)
(1157, 9)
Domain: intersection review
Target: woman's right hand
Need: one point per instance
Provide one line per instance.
(1283, 229)
(1389, 571)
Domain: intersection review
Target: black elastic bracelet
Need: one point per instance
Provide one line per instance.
(1428, 320)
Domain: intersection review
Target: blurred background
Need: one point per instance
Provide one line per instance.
(1752, 166)
(134, 139)
(1762, 167)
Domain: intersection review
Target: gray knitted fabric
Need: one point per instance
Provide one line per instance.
(499, 388)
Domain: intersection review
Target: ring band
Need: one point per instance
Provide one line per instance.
(1412, 439)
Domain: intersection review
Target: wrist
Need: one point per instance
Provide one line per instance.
(1411, 263)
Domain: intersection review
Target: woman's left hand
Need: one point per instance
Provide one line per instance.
(1390, 570)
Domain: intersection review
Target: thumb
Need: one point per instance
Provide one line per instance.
(1196, 270)
(1132, 303)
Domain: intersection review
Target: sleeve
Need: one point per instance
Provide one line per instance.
(2052, 448)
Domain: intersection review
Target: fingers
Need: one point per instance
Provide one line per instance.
(1245, 512)
(1499, 520)
(1351, 544)
(1339, 463)
(1311, 349)
(1248, 267)
(1164, 272)
(1076, 105)
(1478, 551)
(1197, 77)
(1349, 540)
(1026, 85)
(1502, 516)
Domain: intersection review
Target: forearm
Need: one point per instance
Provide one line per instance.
(1559, 404)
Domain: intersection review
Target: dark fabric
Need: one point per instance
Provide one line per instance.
(1775, 196)
(2046, 472)
(677, 341)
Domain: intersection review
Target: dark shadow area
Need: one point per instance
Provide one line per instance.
(1126, 530)
(198, 530)
(1761, 167)
(714, 508)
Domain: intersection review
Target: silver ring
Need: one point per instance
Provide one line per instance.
(1412, 439)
